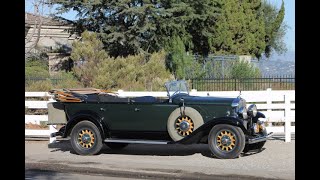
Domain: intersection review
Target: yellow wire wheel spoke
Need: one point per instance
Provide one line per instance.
(184, 121)
(225, 140)
(86, 138)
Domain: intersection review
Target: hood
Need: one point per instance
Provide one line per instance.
(203, 100)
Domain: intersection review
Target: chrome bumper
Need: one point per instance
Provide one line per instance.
(259, 139)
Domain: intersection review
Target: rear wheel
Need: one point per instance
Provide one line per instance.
(226, 141)
(86, 138)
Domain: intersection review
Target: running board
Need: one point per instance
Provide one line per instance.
(135, 141)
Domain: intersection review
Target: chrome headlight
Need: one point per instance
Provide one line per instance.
(252, 110)
(243, 112)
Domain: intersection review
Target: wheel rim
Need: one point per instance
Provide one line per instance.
(225, 141)
(184, 125)
(86, 138)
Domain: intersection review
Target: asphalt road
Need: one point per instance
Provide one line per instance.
(52, 175)
(139, 161)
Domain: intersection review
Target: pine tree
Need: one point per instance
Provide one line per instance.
(239, 30)
(275, 28)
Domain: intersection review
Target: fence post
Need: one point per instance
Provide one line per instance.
(120, 92)
(52, 128)
(287, 124)
(269, 102)
(191, 83)
(193, 92)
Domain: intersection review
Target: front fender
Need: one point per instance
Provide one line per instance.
(259, 115)
(204, 130)
(86, 115)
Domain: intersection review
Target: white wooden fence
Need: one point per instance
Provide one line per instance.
(278, 106)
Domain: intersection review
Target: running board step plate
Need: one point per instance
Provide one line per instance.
(135, 141)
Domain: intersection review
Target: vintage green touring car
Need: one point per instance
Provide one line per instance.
(92, 117)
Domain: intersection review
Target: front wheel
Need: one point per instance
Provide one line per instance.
(86, 138)
(226, 141)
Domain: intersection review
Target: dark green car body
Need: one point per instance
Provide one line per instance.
(179, 118)
(149, 116)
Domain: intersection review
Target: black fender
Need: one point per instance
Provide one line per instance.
(90, 116)
(204, 130)
(259, 115)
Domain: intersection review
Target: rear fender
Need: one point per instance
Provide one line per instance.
(90, 116)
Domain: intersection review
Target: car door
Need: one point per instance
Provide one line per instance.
(118, 116)
(137, 116)
(151, 116)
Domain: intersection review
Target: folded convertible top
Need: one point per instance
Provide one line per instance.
(78, 94)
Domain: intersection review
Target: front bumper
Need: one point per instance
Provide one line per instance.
(259, 139)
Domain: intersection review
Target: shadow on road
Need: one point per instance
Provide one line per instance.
(147, 149)
(39, 174)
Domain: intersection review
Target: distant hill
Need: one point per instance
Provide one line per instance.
(278, 64)
(288, 56)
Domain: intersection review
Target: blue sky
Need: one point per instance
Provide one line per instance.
(289, 18)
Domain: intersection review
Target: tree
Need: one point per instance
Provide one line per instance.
(125, 27)
(179, 62)
(239, 29)
(275, 28)
(201, 24)
(130, 27)
(87, 54)
(32, 38)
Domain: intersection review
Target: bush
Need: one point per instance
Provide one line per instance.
(58, 81)
(66, 80)
(36, 68)
(155, 73)
(243, 69)
(42, 85)
(86, 54)
(132, 73)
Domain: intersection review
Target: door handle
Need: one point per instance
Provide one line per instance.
(102, 109)
(136, 109)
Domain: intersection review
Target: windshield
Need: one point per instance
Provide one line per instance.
(176, 87)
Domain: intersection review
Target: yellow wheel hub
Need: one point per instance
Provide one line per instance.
(86, 138)
(226, 140)
(184, 125)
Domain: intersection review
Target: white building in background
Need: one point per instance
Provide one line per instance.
(54, 39)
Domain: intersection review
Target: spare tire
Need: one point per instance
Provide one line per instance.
(179, 127)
